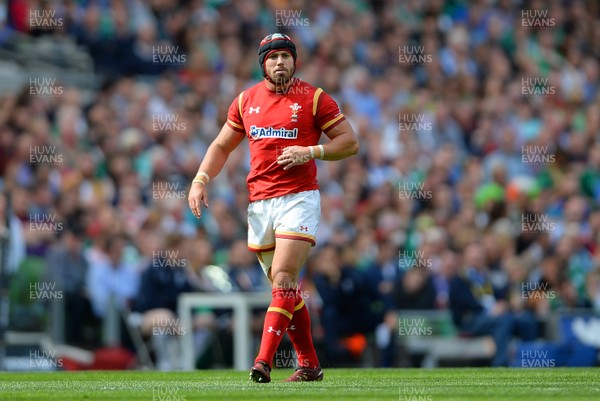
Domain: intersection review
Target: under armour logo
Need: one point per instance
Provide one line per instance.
(254, 110)
(271, 330)
(304, 228)
(292, 327)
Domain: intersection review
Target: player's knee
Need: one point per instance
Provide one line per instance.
(284, 279)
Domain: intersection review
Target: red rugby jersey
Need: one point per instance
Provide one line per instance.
(273, 121)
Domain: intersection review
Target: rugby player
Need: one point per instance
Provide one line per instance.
(283, 118)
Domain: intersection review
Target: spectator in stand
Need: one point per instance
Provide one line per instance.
(593, 289)
(352, 306)
(68, 268)
(415, 290)
(450, 263)
(477, 310)
(11, 227)
(112, 281)
(155, 304)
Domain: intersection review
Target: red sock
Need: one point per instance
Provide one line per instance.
(301, 336)
(277, 319)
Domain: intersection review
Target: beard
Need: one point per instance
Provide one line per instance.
(282, 78)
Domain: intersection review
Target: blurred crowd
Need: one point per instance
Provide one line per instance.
(488, 206)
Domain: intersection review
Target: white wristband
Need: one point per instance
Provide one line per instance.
(322, 149)
(202, 174)
(199, 178)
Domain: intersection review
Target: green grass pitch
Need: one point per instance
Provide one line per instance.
(478, 384)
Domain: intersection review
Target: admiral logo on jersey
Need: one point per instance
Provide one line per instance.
(261, 132)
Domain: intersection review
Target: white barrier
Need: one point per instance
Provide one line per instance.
(241, 303)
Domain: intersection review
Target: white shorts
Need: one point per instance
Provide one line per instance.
(293, 216)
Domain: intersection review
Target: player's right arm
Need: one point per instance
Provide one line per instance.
(214, 160)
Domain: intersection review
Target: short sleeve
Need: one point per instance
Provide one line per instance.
(326, 111)
(234, 115)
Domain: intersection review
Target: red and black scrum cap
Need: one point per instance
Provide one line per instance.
(273, 42)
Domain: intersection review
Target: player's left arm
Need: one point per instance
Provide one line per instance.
(343, 143)
(329, 118)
